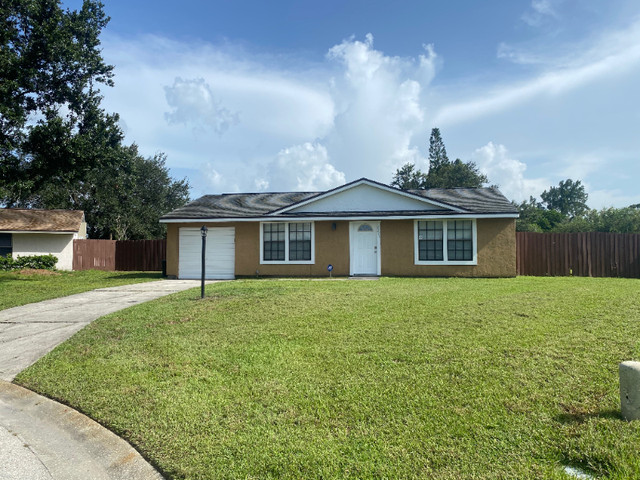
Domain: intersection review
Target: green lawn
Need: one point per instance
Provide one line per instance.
(18, 289)
(396, 378)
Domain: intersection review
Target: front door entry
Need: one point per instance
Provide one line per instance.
(365, 248)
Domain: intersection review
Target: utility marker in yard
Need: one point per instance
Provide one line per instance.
(203, 232)
(630, 390)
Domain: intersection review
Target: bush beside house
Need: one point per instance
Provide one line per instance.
(39, 262)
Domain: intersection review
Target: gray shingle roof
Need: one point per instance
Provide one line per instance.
(256, 205)
(476, 200)
(237, 205)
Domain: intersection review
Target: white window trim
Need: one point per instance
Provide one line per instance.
(286, 260)
(445, 253)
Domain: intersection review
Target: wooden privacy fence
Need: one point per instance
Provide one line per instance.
(592, 254)
(94, 255)
(140, 255)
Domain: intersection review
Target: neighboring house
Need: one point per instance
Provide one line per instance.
(40, 232)
(361, 228)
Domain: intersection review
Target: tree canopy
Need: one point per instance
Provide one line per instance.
(51, 68)
(612, 220)
(442, 173)
(534, 217)
(569, 198)
(558, 207)
(58, 147)
(564, 209)
(437, 151)
(408, 177)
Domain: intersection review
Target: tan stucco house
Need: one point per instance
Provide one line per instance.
(361, 228)
(26, 232)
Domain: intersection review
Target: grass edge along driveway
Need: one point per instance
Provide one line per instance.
(19, 289)
(399, 378)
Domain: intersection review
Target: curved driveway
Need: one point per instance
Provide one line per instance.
(40, 438)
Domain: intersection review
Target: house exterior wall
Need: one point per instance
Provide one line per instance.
(58, 244)
(496, 243)
(496, 251)
(332, 247)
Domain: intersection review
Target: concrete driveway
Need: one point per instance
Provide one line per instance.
(29, 332)
(40, 438)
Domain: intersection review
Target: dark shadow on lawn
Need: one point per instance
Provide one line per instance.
(581, 417)
(20, 278)
(126, 276)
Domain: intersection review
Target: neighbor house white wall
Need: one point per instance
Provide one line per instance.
(58, 244)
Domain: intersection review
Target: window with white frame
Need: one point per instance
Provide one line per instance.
(459, 240)
(273, 241)
(445, 242)
(286, 242)
(430, 241)
(300, 241)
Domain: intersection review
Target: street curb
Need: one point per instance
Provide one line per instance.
(69, 444)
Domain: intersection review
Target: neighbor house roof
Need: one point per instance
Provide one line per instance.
(31, 220)
(449, 201)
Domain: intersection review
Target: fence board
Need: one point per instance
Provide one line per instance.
(125, 255)
(94, 255)
(140, 255)
(593, 254)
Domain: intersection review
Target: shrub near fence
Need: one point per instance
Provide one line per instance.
(40, 262)
(125, 255)
(592, 254)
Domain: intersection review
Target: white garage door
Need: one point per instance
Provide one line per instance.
(220, 253)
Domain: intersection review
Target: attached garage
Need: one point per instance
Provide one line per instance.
(219, 255)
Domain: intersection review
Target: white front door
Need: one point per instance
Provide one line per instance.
(364, 243)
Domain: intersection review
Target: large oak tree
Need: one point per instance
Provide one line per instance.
(58, 147)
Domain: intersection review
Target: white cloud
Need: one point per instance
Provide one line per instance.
(599, 199)
(212, 175)
(193, 103)
(379, 108)
(581, 166)
(307, 165)
(611, 56)
(359, 107)
(508, 173)
(495, 161)
(518, 55)
(205, 86)
(543, 7)
(262, 184)
(540, 11)
(359, 112)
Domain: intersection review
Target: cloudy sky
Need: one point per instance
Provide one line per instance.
(247, 95)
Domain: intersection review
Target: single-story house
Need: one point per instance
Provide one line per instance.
(41, 232)
(360, 228)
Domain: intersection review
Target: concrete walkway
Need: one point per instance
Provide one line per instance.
(40, 438)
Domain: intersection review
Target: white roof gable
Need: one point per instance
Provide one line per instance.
(365, 196)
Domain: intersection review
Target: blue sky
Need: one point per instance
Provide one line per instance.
(251, 96)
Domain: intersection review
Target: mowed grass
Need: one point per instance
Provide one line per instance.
(19, 289)
(396, 378)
